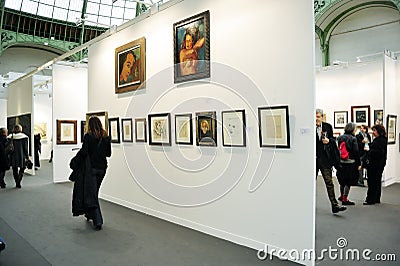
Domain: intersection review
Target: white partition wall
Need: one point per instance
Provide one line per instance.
(3, 112)
(237, 193)
(69, 103)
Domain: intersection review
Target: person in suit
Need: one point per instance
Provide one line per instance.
(325, 155)
(377, 156)
(4, 166)
(20, 154)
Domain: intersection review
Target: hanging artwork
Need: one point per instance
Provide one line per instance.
(340, 119)
(183, 129)
(114, 131)
(206, 129)
(274, 126)
(160, 129)
(391, 122)
(361, 115)
(140, 130)
(127, 135)
(378, 117)
(103, 116)
(66, 132)
(234, 128)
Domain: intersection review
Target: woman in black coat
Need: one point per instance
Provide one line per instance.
(376, 163)
(20, 154)
(4, 166)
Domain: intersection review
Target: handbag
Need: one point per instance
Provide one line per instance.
(28, 164)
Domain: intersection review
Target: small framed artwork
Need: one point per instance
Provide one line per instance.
(391, 122)
(192, 48)
(83, 129)
(234, 128)
(160, 129)
(130, 66)
(127, 135)
(206, 129)
(183, 129)
(340, 119)
(361, 115)
(113, 129)
(40, 128)
(66, 131)
(378, 117)
(140, 130)
(274, 126)
(103, 116)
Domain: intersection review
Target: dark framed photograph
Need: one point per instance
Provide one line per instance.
(113, 129)
(340, 119)
(378, 117)
(103, 116)
(83, 129)
(127, 135)
(140, 130)
(159, 129)
(206, 129)
(391, 122)
(130, 66)
(234, 128)
(274, 126)
(361, 115)
(192, 48)
(183, 129)
(66, 132)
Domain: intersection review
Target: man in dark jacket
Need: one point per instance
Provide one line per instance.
(4, 165)
(20, 154)
(325, 158)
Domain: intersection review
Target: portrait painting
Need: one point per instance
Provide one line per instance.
(192, 48)
(130, 66)
(206, 129)
(378, 117)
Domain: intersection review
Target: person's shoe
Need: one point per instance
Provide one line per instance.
(348, 203)
(18, 185)
(368, 203)
(3, 186)
(98, 227)
(336, 209)
(340, 198)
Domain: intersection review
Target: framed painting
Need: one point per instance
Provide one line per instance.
(206, 129)
(40, 128)
(391, 122)
(66, 131)
(83, 129)
(274, 126)
(378, 117)
(183, 129)
(127, 135)
(113, 129)
(234, 128)
(160, 129)
(103, 116)
(130, 66)
(192, 48)
(140, 130)
(340, 119)
(361, 115)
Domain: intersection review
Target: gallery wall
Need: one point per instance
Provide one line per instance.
(3, 112)
(43, 111)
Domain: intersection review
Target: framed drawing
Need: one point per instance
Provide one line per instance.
(183, 129)
(378, 117)
(192, 48)
(127, 135)
(391, 122)
(130, 66)
(66, 131)
(140, 130)
(160, 129)
(206, 129)
(103, 116)
(113, 129)
(234, 128)
(361, 115)
(340, 119)
(83, 129)
(40, 128)
(274, 126)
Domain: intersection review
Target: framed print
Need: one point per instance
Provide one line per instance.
(113, 130)
(103, 116)
(192, 48)
(361, 115)
(140, 130)
(340, 119)
(234, 128)
(127, 135)
(378, 117)
(206, 129)
(391, 122)
(66, 131)
(83, 129)
(130, 66)
(183, 129)
(274, 126)
(40, 128)
(160, 129)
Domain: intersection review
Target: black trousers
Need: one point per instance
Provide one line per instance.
(374, 185)
(95, 213)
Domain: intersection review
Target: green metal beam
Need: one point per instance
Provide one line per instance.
(2, 4)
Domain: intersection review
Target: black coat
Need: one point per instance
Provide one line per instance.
(348, 173)
(4, 166)
(20, 154)
(377, 154)
(328, 154)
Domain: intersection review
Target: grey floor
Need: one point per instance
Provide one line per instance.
(37, 225)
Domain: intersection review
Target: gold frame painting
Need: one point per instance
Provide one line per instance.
(103, 116)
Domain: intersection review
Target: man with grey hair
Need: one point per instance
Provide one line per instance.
(4, 166)
(325, 155)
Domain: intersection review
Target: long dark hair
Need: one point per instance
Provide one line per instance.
(380, 129)
(96, 128)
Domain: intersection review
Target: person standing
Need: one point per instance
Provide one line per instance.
(20, 154)
(91, 157)
(377, 156)
(349, 172)
(326, 146)
(363, 139)
(4, 165)
(37, 149)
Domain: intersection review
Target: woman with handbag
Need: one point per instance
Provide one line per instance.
(20, 154)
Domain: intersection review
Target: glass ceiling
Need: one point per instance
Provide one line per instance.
(103, 13)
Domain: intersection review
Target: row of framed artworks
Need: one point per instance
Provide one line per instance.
(273, 128)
